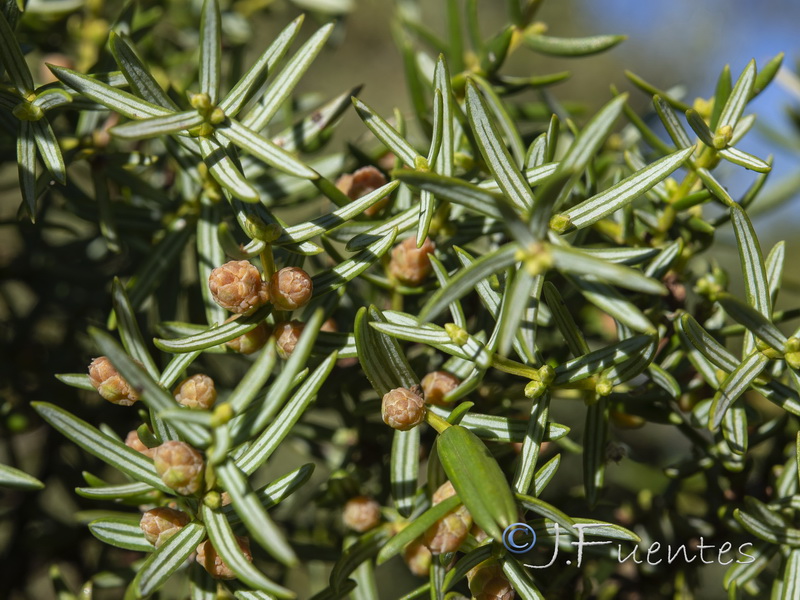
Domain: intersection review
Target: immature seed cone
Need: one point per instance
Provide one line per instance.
(402, 409)
(488, 582)
(290, 288)
(449, 532)
(110, 384)
(196, 392)
(180, 466)
(207, 556)
(362, 182)
(436, 385)
(411, 265)
(418, 558)
(287, 334)
(132, 441)
(252, 341)
(361, 513)
(237, 286)
(159, 524)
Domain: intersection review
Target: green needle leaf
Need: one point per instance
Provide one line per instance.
(478, 479)
(571, 260)
(210, 50)
(570, 47)
(224, 542)
(249, 84)
(156, 126)
(122, 102)
(248, 506)
(224, 170)
(465, 280)
(152, 394)
(453, 189)
(13, 60)
(16, 479)
(265, 150)
(49, 149)
(739, 97)
(26, 165)
(386, 134)
(121, 533)
(280, 89)
(592, 136)
(104, 447)
(265, 444)
(626, 191)
(494, 152)
(416, 528)
(162, 563)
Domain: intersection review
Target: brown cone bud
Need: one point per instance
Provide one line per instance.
(180, 466)
(449, 532)
(361, 513)
(132, 441)
(436, 385)
(252, 341)
(402, 409)
(418, 558)
(237, 286)
(110, 384)
(362, 182)
(290, 288)
(488, 582)
(286, 336)
(197, 392)
(411, 265)
(159, 524)
(207, 556)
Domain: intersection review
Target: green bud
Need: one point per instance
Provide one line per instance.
(221, 415)
(217, 116)
(723, 137)
(25, 111)
(200, 102)
(560, 223)
(213, 500)
(547, 374)
(534, 389)
(603, 387)
(792, 345)
(257, 229)
(421, 164)
(459, 336)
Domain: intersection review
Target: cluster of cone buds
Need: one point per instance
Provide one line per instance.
(287, 334)
(196, 392)
(361, 513)
(403, 409)
(411, 265)
(180, 467)
(252, 341)
(488, 582)
(362, 182)
(237, 286)
(208, 558)
(110, 384)
(161, 523)
(436, 385)
(449, 532)
(132, 441)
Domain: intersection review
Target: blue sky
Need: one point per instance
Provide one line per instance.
(696, 38)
